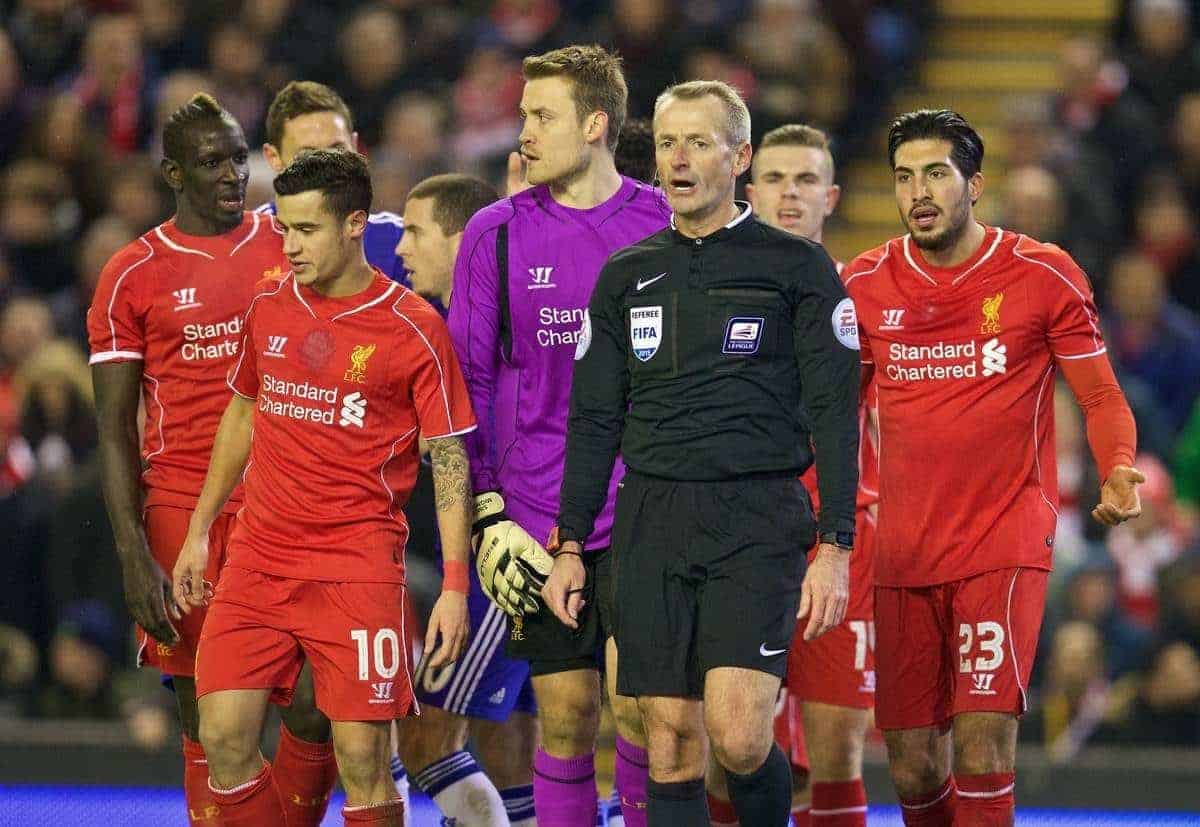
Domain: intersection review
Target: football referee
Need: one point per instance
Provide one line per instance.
(716, 356)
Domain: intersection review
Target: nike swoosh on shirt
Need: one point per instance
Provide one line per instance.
(644, 283)
(769, 653)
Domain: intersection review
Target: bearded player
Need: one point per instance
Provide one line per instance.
(164, 327)
(963, 328)
(524, 275)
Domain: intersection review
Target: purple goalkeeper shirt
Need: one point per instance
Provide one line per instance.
(554, 258)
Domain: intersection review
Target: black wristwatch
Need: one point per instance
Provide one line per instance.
(842, 539)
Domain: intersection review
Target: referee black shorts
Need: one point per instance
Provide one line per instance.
(705, 574)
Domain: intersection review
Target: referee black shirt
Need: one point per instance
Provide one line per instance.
(715, 358)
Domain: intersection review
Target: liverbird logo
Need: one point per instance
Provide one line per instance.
(358, 363)
(991, 314)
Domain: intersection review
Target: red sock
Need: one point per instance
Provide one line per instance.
(721, 813)
(304, 774)
(839, 804)
(202, 807)
(802, 815)
(935, 809)
(388, 814)
(253, 804)
(986, 800)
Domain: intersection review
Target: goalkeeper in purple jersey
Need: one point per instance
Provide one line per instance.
(522, 281)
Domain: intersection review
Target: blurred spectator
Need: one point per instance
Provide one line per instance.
(13, 105)
(1091, 597)
(373, 48)
(18, 668)
(1035, 204)
(112, 85)
(1165, 230)
(1090, 212)
(1168, 710)
(62, 137)
(69, 307)
(1185, 138)
(1095, 107)
(1154, 338)
(56, 415)
(137, 194)
(25, 326)
(168, 35)
(1142, 547)
(48, 35)
(237, 62)
(296, 36)
(1181, 600)
(530, 27)
(38, 217)
(1078, 698)
(648, 37)
(802, 67)
(415, 132)
(85, 647)
(1077, 485)
(486, 102)
(635, 151)
(1164, 59)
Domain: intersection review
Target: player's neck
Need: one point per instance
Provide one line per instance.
(189, 222)
(961, 250)
(699, 226)
(598, 183)
(355, 278)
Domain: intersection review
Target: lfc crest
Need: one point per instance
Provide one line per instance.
(358, 363)
(991, 315)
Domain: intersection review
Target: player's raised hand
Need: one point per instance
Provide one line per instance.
(449, 625)
(563, 592)
(148, 596)
(192, 591)
(1119, 499)
(825, 591)
(515, 180)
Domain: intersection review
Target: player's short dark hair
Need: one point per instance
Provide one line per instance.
(200, 108)
(455, 199)
(635, 151)
(303, 97)
(343, 177)
(939, 124)
(597, 82)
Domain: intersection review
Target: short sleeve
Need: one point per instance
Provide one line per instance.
(243, 376)
(439, 392)
(116, 319)
(1072, 324)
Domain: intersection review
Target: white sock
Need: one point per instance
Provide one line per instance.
(400, 776)
(462, 792)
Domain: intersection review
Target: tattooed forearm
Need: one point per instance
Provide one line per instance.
(451, 472)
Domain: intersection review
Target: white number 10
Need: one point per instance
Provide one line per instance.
(385, 669)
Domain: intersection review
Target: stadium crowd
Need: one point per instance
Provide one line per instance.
(1109, 169)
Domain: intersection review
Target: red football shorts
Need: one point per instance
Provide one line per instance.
(789, 730)
(838, 668)
(964, 646)
(261, 628)
(166, 529)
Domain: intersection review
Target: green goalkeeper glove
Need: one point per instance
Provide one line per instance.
(512, 566)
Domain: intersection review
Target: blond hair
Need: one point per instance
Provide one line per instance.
(798, 134)
(738, 125)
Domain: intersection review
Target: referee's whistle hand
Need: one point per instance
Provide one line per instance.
(825, 591)
(563, 591)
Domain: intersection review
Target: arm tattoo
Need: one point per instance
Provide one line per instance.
(451, 483)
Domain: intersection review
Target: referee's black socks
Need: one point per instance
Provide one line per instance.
(765, 795)
(678, 803)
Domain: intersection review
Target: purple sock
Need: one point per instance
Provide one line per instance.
(564, 790)
(632, 771)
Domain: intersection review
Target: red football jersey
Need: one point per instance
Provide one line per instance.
(175, 302)
(344, 387)
(964, 362)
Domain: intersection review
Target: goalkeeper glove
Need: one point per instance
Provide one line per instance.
(512, 566)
